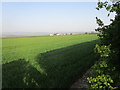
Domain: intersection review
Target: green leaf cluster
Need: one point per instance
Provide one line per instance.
(101, 81)
(103, 50)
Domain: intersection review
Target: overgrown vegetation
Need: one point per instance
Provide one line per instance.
(106, 73)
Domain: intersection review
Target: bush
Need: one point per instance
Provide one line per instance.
(100, 72)
(105, 74)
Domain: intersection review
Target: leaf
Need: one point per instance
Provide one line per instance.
(97, 8)
(108, 7)
(114, 8)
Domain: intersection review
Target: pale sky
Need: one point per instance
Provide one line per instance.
(51, 16)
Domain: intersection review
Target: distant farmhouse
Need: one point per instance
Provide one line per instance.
(51, 34)
(59, 34)
(63, 34)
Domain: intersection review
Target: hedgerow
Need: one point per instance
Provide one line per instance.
(105, 73)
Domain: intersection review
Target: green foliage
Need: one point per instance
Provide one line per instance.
(105, 72)
(99, 22)
(114, 7)
(103, 50)
(104, 75)
(101, 71)
(110, 34)
(101, 81)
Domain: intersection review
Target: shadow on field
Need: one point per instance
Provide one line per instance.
(18, 74)
(62, 67)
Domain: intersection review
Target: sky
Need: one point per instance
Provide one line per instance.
(51, 16)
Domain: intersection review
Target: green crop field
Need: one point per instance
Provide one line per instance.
(46, 61)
